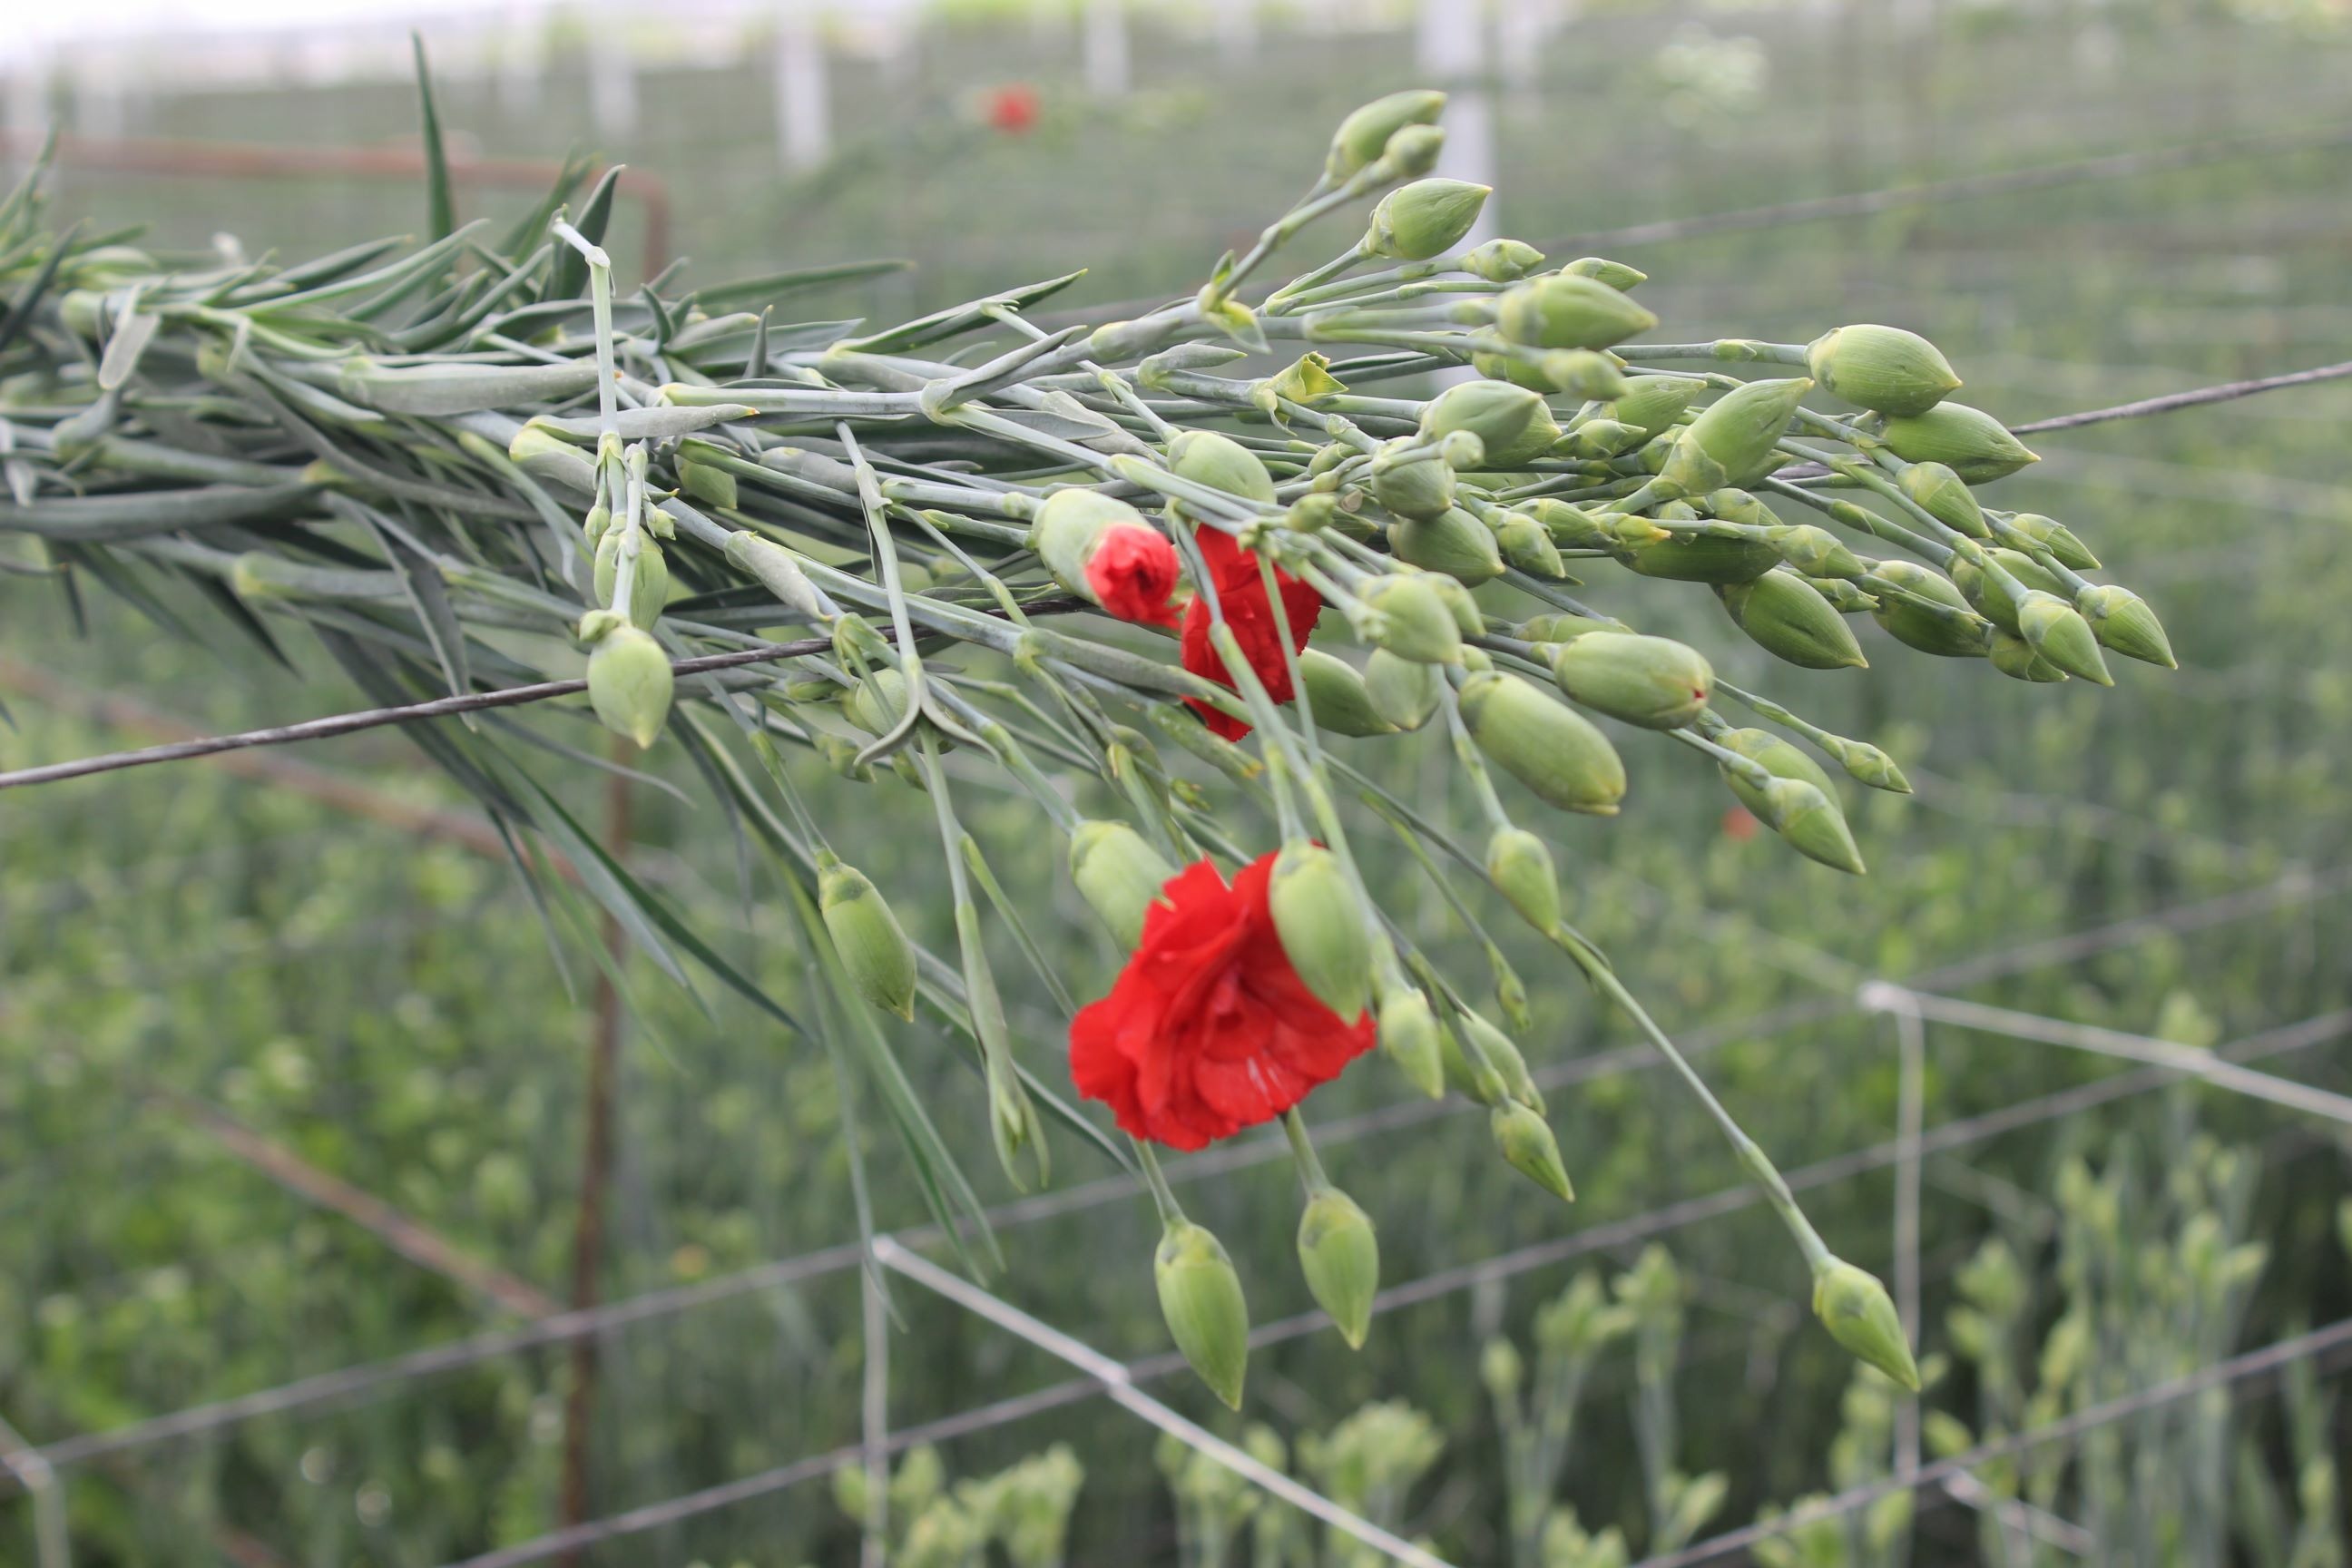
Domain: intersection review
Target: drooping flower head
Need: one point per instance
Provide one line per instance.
(1209, 1029)
(1241, 594)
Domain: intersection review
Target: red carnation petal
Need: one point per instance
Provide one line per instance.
(1132, 573)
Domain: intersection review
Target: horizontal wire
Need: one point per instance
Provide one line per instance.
(1637, 1228)
(349, 1383)
(2226, 392)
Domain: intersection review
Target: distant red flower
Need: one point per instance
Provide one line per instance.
(1209, 1029)
(1241, 593)
(1012, 109)
(1133, 572)
(1738, 824)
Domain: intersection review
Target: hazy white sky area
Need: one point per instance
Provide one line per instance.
(56, 26)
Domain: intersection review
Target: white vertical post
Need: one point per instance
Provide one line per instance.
(99, 98)
(523, 57)
(803, 115)
(1520, 28)
(29, 105)
(1237, 30)
(1105, 43)
(611, 79)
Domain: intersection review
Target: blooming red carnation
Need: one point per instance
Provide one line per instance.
(1012, 108)
(1209, 1029)
(1241, 594)
(1133, 572)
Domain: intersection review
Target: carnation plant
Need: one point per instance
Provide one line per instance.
(1183, 581)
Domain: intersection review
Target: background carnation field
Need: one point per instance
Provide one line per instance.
(291, 1093)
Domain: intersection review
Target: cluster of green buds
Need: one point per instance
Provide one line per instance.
(842, 554)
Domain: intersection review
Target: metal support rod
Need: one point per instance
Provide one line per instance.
(22, 1460)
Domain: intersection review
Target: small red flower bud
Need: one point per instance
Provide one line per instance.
(1133, 572)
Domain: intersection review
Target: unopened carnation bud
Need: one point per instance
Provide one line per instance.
(1995, 581)
(2056, 538)
(1735, 505)
(1321, 925)
(1067, 526)
(1501, 1368)
(599, 519)
(1502, 1055)
(1462, 450)
(1410, 1035)
(1655, 682)
(874, 952)
(1502, 260)
(1815, 551)
(1337, 697)
(553, 460)
(1404, 692)
(1554, 750)
(1120, 874)
(1732, 441)
(650, 590)
(1568, 311)
(1416, 623)
(2014, 656)
(1454, 544)
(1513, 423)
(1580, 373)
(1201, 1299)
(1340, 1257)
(1364, 134)
(1798, 802)
(1949, 636)
(877, 701)
(1882, 368)
(773, 568)
(1600, 269)
(2122, 620)
(1425, 218)
(1788, 618)
(1411, 482)
(2056, 630)
(1861, 1316)
(1651, 404)
(1529, 547)
(707, 483)
(1943, 495)
(1414, 151)
(1526, 1142)
(1971, 442)
(1867, 764)
(1573, 528)
(629, 683)
(1520, 867)
(1312, 512)
(1596, 440)
(1221, 463)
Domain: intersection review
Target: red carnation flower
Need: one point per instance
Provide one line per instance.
(1209, 1029)
(1133, 572)
(1241, 593)
(1012, 109)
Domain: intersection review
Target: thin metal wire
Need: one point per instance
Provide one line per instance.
(353, 1382)
(2336, 1337)
(1118, 1382)
(51, 1545)
(2227, 392)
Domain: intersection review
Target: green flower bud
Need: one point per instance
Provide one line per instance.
(1201, 1298)
(1526, 1142)
(629, 684)
(1913, 626)
(1410, 1035)
(1528, 546)
(1545, 745)
(1739, 506)
(1340, 1257)
(1786, 617)
(1312, 512)
(1993, 597)
(1596, 440)
(1815, 551)
(598, 519)
(1453, 542)
(1502, 260)
(1120, 874)
(1528, 373)
(1307, 380)
(1936, 491)
(2056, 538)
(1425, 218)
(1417, 624)
(1520, 867)
(1699, 558)
(553, 460)
(879, 700)
(1580, 372)
(1568, 311)
(707, 483)
(1846, 598)
(1860, 1315)
(1867, 763)
(1413, 152)
(1363, 135)
(874, 952)
(649, 593)
(1321, 925)
(1066, 528)
(2057, 631)
(1655, 682)
(1500, 1368)
(1800, 804)
(2122, 620)
(840, 755)
(1503, 1055)
(1972, 443)
(1881, 368)
(1651, 404)
(1732, 441)
(1600, 269)
(1462, 450)
(1459, 601)
(1514, 423)
(772, 566)
(2014, 656)
(1558, 626)
(1337, 695)
(1404, 692)
(1409, 484)
(1221, 463)
(1573, 528)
